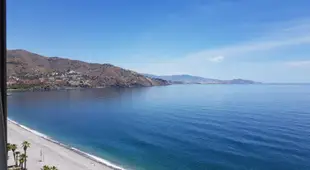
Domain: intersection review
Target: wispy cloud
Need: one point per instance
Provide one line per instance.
(292, 33)
(304, 63)
(272, 44)
(235, 50)
(216, 59)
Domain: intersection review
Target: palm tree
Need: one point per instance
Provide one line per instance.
(53, 168)
(45, 167)
(22, 160)
(8, 148)
(14, 147)
(16, 159)
(25, 145)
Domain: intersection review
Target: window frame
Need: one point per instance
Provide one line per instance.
(3, 91)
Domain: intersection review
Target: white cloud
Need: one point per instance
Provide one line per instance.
(292, 34)
(196, 63)
(235, 50)
(216, 59)
(304, 63)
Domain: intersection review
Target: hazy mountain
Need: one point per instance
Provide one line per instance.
(200, 80)
(184, 78)
(240, 81)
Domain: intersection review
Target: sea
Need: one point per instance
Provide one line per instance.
(177, 127)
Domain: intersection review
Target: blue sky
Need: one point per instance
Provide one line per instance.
(261, 40)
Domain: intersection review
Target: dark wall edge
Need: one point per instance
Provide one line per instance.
(3, 104)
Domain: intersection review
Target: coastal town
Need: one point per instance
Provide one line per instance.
(52, 80)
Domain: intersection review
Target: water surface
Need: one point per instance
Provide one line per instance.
(178, 127)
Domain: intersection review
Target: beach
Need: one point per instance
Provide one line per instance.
(45, 151)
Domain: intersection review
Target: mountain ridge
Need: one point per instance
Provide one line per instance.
(28, 69)
(190, 79)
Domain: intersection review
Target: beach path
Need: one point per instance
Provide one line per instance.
(54, 154)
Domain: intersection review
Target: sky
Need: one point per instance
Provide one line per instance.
(261, 40)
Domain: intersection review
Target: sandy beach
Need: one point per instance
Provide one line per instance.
(54, 154)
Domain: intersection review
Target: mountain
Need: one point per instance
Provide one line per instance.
(189, 79)
(26, 69)
(184, 78)
(240, 81)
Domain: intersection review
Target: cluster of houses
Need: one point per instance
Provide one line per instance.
(69, 78)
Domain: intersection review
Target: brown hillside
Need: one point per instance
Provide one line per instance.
(24, 64)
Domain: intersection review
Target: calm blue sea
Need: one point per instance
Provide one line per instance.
(178, 127)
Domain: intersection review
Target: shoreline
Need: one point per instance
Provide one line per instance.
(67, 147)
(52, 89)
(76, 88)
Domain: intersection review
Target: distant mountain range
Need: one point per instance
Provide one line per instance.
(29, 70)
(189, 79)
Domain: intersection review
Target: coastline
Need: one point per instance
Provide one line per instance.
(77, 88)
(65, 148)
(52, 89)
